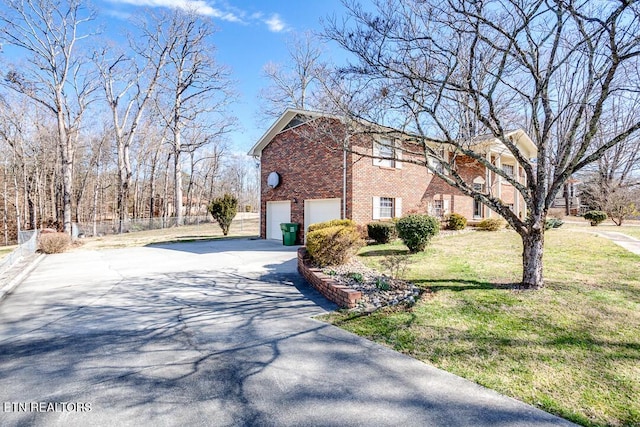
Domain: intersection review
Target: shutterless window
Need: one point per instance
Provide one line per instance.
(386, 207)
(508, 169)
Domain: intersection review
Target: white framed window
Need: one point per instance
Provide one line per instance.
(387, 207)
(438, 208)
(477, 208)
(508, 169)
(385, 154)
(437, 164)
(478, 187)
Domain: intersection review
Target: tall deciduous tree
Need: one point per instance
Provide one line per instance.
(450, 70)
(129, 80)
(292, 85)
(195, 89)
(48, 32)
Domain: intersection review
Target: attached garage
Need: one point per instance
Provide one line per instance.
(277, 213)
(320, 210)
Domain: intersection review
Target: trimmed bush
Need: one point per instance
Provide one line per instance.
(552, 223)
(54, 243)
(416, 230)
(490, 224)
(332, 223)
(595, 217)
(333, 245)
(456, 222)
(382, 232)
(223, 210)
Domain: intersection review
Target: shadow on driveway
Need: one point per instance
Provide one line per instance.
(220, 347)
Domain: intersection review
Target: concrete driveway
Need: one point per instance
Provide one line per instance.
(210, 333)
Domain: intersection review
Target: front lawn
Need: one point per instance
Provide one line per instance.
(572, 348)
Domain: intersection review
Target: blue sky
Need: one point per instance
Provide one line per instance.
(249, 34)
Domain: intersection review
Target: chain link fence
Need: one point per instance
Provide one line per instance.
(27, 245)
(103, 228)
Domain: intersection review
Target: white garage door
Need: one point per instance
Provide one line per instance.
(320, 210)
(277, 213)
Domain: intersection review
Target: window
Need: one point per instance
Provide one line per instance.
(477, 204)
(438, 208)
(508, 169)
(477, 208)
(387, 207)
(385, 154)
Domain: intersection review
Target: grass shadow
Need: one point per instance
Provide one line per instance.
(457, 285)
(384, 252)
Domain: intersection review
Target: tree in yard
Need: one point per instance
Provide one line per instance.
(293, 85)
(612, 184)
(224, 209)
(447, 72)
(129, 80)
(193, 89)
(616, 199)
(48, 32)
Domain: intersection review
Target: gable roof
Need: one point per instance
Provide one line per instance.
(293, 117)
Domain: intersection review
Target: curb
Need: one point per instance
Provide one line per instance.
(15, 282)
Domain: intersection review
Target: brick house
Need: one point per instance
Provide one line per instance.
(306, 176)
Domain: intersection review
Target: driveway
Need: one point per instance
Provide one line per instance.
(210, 333)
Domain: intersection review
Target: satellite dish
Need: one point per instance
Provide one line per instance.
(273, 180)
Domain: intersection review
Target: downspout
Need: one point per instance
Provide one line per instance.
(344, 182)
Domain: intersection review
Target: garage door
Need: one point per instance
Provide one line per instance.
(277, 213)
(320, 210)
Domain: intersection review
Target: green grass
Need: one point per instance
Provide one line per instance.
(571, 348)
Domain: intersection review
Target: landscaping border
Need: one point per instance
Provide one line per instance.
(340, 294)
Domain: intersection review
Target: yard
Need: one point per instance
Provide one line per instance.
(572, 348)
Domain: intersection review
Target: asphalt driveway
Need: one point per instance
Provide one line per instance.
(210, 333)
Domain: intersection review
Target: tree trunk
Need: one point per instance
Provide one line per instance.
(533, 247)
(177, 178)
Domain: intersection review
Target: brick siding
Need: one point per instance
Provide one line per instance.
(312, 168)
(309, 169)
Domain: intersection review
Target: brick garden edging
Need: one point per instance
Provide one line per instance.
(342, 295)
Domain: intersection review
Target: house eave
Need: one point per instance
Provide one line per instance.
(277, 127)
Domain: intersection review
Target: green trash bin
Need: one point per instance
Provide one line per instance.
(289, 233)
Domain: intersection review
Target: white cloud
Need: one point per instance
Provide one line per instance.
(275, 23)
(225, 12)
(198, 6)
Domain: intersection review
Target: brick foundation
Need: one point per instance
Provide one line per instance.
(342, 295)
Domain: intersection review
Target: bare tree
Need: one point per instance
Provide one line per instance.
(129, 81)
(195, 89)
(49, 31)
(292, 85)
(448, 71)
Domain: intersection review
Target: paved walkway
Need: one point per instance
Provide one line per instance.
(211, 333)
(629, 243)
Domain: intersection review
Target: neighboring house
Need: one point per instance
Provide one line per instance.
(568, 201)
(306, 177)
